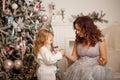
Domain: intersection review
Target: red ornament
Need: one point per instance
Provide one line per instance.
(7, 48)
(38, 5)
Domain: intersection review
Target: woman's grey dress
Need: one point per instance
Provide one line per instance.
(87, 67)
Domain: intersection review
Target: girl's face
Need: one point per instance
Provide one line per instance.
(79, 32)
(49, 41)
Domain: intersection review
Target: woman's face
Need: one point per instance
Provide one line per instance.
(79, 32)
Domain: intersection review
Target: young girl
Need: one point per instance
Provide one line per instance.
(44, 56)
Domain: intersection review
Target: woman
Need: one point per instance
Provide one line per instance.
(89, 53)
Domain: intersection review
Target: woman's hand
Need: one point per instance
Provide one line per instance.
(102, 61)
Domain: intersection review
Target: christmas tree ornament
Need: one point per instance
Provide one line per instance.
(8, 64)
(36, 24)
(7, 48)
(18, 64)
(10, 19)
(14, 24)
(23, 34)
(17, 47)
(23, 9)
(14, 6)
(44, 18)
(22, 47)
(13, 32)
(37, 7)
(20, 22)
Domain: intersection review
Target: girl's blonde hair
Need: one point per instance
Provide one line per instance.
(41, 37)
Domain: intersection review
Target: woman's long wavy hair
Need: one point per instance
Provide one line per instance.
(89, 29)
(40, 39)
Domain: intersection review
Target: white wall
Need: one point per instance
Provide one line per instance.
(74, 7)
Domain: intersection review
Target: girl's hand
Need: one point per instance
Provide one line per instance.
(54, 52)
(102, 61)
(62, 52)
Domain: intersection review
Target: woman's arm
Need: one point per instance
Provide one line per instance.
(103, 53)
(72, 57)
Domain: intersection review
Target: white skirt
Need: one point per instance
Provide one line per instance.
(46, 74)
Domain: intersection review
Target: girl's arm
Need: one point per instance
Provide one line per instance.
(74, 56)
(103, 53)
(49, 57)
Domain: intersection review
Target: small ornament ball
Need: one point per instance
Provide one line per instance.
(44, 18)
(7, 48)
(8, 64)
(14, 6)
(18, 64)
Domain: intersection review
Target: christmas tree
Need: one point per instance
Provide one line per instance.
(19, 22)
